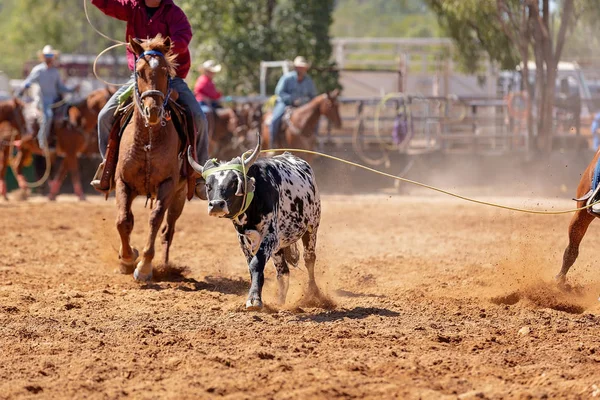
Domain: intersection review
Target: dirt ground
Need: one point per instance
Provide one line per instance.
(433, 299)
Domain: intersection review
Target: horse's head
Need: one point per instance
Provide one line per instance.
(331, 108)
(154, 67)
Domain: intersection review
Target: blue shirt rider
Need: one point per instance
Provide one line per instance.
(47, 76)
(595, 132)
(293, 89)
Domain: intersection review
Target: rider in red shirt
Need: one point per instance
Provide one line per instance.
(205, 89)
(146, 19)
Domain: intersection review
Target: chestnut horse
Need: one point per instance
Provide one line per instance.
(581, 219)
(223, 133)
(12, 127)
(148, 159)
(83, 117)
(75, 129)
(299, 131)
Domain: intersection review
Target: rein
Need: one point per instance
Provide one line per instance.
(248, 196)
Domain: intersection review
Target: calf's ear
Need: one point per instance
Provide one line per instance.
(240, 188)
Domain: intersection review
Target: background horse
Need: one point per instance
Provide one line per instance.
(224, 133)
(148, 161)
(13, 126)
(581, 219)
(298, 131)
(75, 130)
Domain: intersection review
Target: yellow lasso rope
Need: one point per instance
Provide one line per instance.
(423, 185)
(44, 178)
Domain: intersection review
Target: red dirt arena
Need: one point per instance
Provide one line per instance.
(430, 298)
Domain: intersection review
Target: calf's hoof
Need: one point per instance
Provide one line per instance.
(127, 266)
(254, 305)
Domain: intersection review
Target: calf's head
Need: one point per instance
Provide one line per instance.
(226, 187)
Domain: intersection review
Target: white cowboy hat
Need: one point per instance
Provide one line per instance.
(48, 50)
(301, 62)
(211, 66)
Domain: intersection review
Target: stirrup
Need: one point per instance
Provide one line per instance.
(96, 181)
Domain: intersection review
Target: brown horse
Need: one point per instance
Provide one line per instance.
(223, 133)
(12, 127)
(580, 221)
(299, 131)
(74, 127)
(148, 160)
(84, 116)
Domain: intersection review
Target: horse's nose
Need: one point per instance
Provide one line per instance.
(216, 204)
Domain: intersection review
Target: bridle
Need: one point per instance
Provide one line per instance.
(138, 97)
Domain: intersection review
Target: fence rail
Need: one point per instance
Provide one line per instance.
(416, 124)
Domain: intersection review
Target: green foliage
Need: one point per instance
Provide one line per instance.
(237, 33)
(61, 24)
(476, 30)
(384, 18)
(240, 33)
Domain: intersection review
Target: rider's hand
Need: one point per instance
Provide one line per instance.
(297, 102)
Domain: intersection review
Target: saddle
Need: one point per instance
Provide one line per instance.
(184, 125)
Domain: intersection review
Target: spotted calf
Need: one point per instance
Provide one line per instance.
(272, 209)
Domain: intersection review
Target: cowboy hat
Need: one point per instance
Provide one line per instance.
(301, 62)
(48, 51)
(211, 66)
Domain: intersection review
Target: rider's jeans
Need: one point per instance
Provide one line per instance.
(45, 125)
(277, 116)
(106, 117)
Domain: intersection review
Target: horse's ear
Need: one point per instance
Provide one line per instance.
(334, 94)
(168, 44)
(136, 46)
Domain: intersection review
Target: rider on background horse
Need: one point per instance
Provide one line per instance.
(146, 19)
(293, 89)
(47, 76)
(205, 90)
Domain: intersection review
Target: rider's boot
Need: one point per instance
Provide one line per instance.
(96, 182)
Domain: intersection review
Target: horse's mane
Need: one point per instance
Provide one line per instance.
(158, 43)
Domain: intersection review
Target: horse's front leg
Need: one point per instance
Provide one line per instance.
(3, 169)
(164, 197)
(60, 176)
(18, 165)
(127, 254)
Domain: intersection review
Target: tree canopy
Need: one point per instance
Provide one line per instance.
(237, 33)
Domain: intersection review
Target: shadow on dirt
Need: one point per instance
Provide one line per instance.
(355, 313)
(177, 274)
(347, 293)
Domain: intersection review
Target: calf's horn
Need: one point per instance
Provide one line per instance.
(250, 160)
(197, 167)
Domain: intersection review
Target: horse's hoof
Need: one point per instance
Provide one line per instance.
(138, 276)
(127, 266)
(254, 305)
